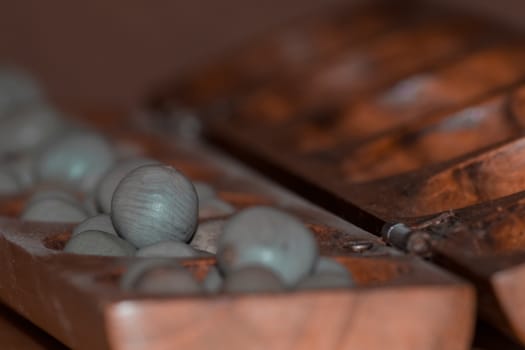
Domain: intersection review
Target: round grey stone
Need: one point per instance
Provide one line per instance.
(325, 280)
(159, 277)
(53, 210)
(252, 279)
(170, 249)
(154, 203)
(28, 127)
(204, 191)
(89, 203)
(109, 182)
(98, 243)
(17, 88)
(8, 183)
(266, 237)
(22, 169)
(101, 222)
(207, 235)
(77, 159)
(212, 283)
(52, 193)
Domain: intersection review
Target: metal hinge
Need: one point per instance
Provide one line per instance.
(406, 239)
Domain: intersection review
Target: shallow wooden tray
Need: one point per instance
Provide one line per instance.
(77, 299)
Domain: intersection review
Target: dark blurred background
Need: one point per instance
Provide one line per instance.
(111, 51)
(104, 52)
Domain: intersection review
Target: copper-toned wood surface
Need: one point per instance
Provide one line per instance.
(484, 242)
(485, 164)
(289, 49)
(326, 134)
(77, 298)
(438, 148)
(303, 132)
(338, 93)
(330, 56)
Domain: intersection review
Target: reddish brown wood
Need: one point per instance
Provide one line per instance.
(79, 302)
(438, 147)
(316, 127)
(324, 320)
(485, 242)
(434, 140)
(481, 168)
(77, 298)
(329, 89)
(290, 48)
(18, 333)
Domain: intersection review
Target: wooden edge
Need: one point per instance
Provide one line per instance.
(36, 291)
(69, 297)
(18, 333)
(500, 284)
(356, 319)
(509, 288)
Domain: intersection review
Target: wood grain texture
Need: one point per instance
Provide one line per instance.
(319, 320)
(77, 299)
(438, 148)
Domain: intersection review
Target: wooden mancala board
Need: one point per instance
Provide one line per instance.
(77, 299)
(414, 134)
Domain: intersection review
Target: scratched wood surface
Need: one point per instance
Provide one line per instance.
(434, 141)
